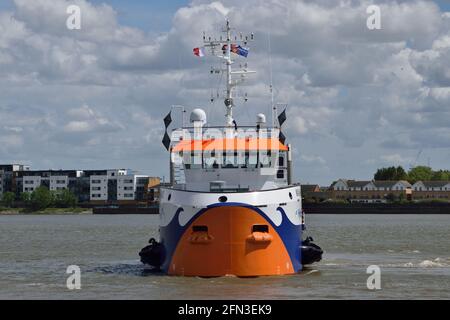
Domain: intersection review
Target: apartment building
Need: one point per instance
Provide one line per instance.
(59, 183)
(98, 187)
(54, 180)
(95, 186)
(31, 183)
(143, 185)
(8, 176)
(119, 187)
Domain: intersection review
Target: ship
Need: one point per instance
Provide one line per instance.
(231, 208)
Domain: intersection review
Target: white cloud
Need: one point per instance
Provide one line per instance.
(84, 112)
(77, 126)
(299, 125)
(10, 141)
(311, 159)
(395, 159)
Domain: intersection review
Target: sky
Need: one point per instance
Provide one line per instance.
(94, 98)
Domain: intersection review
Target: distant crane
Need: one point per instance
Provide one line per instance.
(414, 164)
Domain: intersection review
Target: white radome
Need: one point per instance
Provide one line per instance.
(261, 118)
(198, 115)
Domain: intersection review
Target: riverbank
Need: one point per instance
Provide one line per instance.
(126, 210)
(48, 211)
(309, 208)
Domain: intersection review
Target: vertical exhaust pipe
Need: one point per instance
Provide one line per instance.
(289, 165)
(172, 169)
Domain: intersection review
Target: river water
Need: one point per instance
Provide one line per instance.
(412, 251)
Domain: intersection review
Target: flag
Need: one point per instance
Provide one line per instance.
(241, 51)
(282, 117)
(282, 137)
(166, 141)
(168, 119)
(236, 50)
(199, 52)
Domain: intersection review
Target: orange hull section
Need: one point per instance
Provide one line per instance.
(229, 247)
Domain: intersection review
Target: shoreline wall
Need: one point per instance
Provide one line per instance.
(318, 208)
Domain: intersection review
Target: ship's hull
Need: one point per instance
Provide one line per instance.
(243, 234)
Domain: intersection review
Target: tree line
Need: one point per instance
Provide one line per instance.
(419, 173)
(42, 198)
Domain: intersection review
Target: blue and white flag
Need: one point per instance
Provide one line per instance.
(241, 51)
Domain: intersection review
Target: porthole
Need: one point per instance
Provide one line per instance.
(223, 199)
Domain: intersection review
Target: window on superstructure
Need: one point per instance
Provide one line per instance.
(245, 158)
(230, 160)
(211, 161)
(196, 161)
(280, 174)
(265, 160)
(252, 159)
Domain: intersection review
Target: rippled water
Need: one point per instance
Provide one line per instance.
(412, 251)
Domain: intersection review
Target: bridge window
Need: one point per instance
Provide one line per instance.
(230, 160)
(280, 174)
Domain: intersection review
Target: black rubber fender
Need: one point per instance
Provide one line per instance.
(153, 254)
(310, 252)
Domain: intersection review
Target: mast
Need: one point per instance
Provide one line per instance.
(223, 49)
(229, 104)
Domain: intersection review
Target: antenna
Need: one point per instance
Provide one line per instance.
(273, 107)
(223, 50)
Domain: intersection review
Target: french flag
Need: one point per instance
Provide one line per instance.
(199, 52)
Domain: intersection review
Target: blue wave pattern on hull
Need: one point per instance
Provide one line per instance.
(290, 233)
